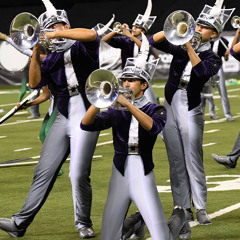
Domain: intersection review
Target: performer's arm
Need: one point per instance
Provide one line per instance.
(109, 36)
(144, 120)
(42, 98)
(236, 43)
(79, 34)
(159, 37)
(194, 58)
(35, 67)
(90, 115)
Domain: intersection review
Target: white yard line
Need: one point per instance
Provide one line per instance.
(218, 121)
(33, 162)
(212, 131)
(22, 149)
(23, 121)
(9, 92)
(208, 144)
(6, 105)
(103, 134)
(104, 143)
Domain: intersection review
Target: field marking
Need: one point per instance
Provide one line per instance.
(32, 162)
(8, 104)
(21, 112)
(9, 92)
(212, 131)
(3, 136)
(229, 96)
(208, 144)
(103, 134)
(220, 120)
(104, 143)
(23, 121)
(158, 86)
(22, 149)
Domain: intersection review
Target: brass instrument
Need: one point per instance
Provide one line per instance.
(117, 27)
(25, 31)
(235, 22)
(102, 89)
(179, 28)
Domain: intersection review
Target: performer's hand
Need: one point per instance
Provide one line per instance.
(3, 36)
(122, 100)
(50, 35)
(125, 30)
(226, 55)
(24, 106)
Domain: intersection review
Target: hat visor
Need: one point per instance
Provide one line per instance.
(128, 75)
(206, 24)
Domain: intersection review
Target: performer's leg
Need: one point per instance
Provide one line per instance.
(83, 144)
(195, 165)
(116, 206)
(223, 93)
(143, 193)
(35, 108)
(176, 139)
(235, 153)
(46, 171)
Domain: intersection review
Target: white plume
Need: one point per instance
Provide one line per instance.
(143, 54)
(105, 28)
(221, 17)
(51, 10)
(147, 11)
(216, 10)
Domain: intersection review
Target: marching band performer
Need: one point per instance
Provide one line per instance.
(230, 160)
(66, 69)
(130, 42)
(183, 133)
(134, 133)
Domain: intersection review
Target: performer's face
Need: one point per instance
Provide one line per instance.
(137, 31)
(138, 87)
(59, 26)
(206, 32)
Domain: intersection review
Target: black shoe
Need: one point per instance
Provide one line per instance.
(9, 226)
(203, 217)
(185, 232)
(176, 221)
(134, 227)
(225, 160)
(189, 214)
(140, 233)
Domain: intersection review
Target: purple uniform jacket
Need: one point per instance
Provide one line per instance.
(120, 123)
(85, 59)
(234, 54)
(127, 47)
(221, 49)
(200, 73)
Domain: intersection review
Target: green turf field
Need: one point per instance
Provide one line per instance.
(55, 221)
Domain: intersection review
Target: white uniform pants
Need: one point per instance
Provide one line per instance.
(140, 189)
(183, 137)
(64, 134)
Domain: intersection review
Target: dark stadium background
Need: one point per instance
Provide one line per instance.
(87, 13)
